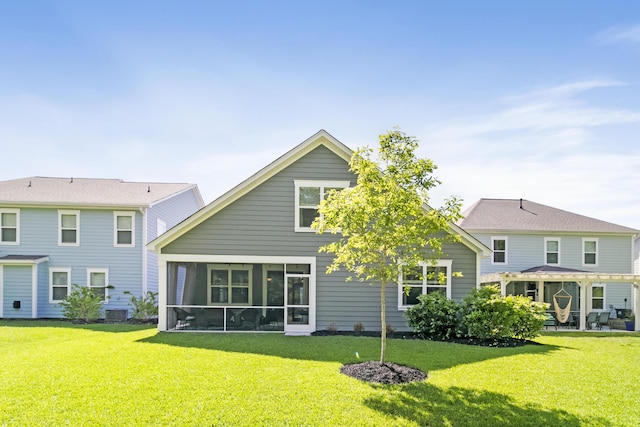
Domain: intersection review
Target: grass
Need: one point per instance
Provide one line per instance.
(56, 374)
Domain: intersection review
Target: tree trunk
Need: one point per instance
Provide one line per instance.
(383, 320)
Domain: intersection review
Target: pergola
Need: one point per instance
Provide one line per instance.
(585, 281)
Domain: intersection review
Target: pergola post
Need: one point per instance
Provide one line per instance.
(503, 287)
(635, 290)
(583, 304)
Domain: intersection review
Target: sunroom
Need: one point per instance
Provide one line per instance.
(232, 294)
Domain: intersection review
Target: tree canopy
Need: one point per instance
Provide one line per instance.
(385, 221)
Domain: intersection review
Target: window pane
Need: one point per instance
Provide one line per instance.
(552, 258)
(499, 245)
(327, 190)
(309, 196)
(412, 298)
(68, 221)
(413, 275)
(597, 304)
(124, 237)
(98, 279)
(9, 220)
(124, 222)
(100, 292)
(499, 257)
(219, 277)
(434, 289)
(59, 278)
(589, 258)
(589, 246)
(298, 269)
(597, 292)
(552, 246)
(59, 293)
(298, 316)
(68, 236)
(219, 295)
(240, 295)
(307, 216)
(9, 235)
(239, 278)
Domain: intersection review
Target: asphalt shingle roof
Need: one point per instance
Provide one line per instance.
(85, 192)
(525, 215)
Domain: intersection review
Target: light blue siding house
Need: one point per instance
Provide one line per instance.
(250, 261)
(542, 252)
(55, 232)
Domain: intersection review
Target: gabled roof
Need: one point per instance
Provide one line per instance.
(524, 215)
(320, 138)
(45, 191)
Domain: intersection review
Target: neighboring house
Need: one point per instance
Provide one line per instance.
(541, 251)
(55, 232)
(249, 260)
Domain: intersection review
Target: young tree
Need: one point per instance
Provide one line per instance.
(384, 221)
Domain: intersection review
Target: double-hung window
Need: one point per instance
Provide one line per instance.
(59, 283)
(124, 229)
(229, 284)
(597, 297)
(499, 247)
(308, 196)
(423, 279)
(589, 252)
(98, 280)
(9, 226)
(68, 228)
(551, 251)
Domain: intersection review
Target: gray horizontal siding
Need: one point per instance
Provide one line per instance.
(262, 223)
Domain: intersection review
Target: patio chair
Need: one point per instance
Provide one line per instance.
(184, 318)
(551, 321)
(592, 319)
(251, 318)
(603, 320)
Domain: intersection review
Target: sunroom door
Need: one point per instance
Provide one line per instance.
(300, 317)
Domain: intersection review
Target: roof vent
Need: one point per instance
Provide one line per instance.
(71, 182)
(149, 189)
(521, 204)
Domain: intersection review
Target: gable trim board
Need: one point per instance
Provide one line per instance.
(207, 251)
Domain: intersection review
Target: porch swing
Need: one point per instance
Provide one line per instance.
(562, 313)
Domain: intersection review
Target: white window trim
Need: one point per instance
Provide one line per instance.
(604, 297)
(506, 250)
(312, 183)
(13, 211)
(440, 263)
(77, 214)
(546, 252)
(230, 267)
(106, 281)
(591, 239)
(132, 215)
(58, 270)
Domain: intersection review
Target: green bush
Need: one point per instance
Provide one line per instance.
(82, 304)
(488, 315)
(483, 314)
(145, 307)
(434, 317)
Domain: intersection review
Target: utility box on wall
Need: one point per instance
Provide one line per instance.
(16, 304)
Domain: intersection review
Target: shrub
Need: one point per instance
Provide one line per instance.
(488, 315)
(332, 328)
(358, 328)
(434, 317)
(145, 307)
(82, 304)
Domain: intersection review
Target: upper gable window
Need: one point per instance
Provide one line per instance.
(68, 228)
(9, 226)
(308, 197)
(551, 251)
(589, 251)
(124, 229)
(499, 247)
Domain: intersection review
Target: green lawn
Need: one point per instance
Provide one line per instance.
(55, 373)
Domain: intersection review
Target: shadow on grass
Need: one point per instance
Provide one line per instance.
(425, 355)
(427, 405)
(60, 323)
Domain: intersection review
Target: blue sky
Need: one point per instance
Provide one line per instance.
(537, 100)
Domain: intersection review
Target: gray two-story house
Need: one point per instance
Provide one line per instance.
(250, 261)
(56, 232)
(555, 256)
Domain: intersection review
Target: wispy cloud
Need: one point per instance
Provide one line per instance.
(616, 34)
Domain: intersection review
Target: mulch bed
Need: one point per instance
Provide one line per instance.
(383, 373)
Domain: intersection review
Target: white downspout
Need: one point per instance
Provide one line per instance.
(143, 212)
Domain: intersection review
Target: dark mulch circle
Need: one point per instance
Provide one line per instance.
(384, 373)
